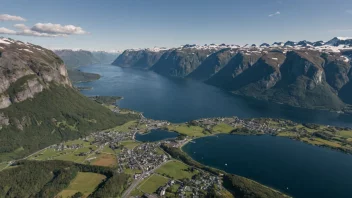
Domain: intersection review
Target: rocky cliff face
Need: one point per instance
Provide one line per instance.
(180, 62)
(306, 74)
(138, 58)
(38, 106)
(238, 64)
(213, 64)
(26, 70)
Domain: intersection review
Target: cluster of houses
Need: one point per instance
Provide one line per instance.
(150, 124)
(111, 137)
(144, 157)
(257, 125)
(195, 187)
(63, 147)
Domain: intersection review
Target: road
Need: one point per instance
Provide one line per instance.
(141, 178)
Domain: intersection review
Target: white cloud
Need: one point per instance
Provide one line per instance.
(273, 14)
(50, 28)
(7, 17)
(44, 30)
(349, 11)
(21, 26)
(6, 31)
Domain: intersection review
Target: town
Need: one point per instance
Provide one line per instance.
(145, 161)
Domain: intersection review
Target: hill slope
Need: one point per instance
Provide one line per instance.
(38, 106)
(74, 59)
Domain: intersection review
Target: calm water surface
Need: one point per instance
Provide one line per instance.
(293, 167)
(181, 100)
(156, 135)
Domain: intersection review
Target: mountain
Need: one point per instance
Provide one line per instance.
(304, 73)
(38, 105)
(340, 41)
(144, 58)
(77, 58)
(181, 62)
(212, 64)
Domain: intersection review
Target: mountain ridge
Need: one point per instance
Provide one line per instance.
(77, 58)
(304, 74)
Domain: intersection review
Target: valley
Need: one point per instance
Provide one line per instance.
(67, 137)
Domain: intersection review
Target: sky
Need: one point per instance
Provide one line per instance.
(124, 24)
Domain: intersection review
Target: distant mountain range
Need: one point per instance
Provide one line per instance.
(77, 58)
(305, 74)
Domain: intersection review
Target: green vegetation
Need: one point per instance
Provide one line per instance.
(136, 192)
(85, 183)
(79, 76)
(176, 170)
(126, 127)
(130, 144)
(132, 171)
(109, 100)
(3, 165)
(222, 128)
(152, 183)
(55, 115)
(192, 131)
(67, 155)
(107, 149)
(319, 135)
(48, 178)
(243, 187)
(239, 186)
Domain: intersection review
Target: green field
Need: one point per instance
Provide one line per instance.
(222, 128)
(84, 183)
(193, 131)
(136, 192)
(3, 165)
(160, 151)
(126, 127)
(79, 141)
(45, 155)
(152, 183)
(107, 149)
(67, 155)
(176, 170)
(130, 144)
(287, 134)
(132, 171)
(346, 134)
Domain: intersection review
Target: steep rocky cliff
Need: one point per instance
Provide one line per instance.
(138, 58)
(213, 64)
(180, 62)
(38, 106)
(305, 74)
(26, 70)
(238, 64)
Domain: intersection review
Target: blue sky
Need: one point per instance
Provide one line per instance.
(122, 24)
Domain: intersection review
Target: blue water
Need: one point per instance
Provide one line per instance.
(156, 135)
(181, 100)
(292, 167)
(306, 171)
